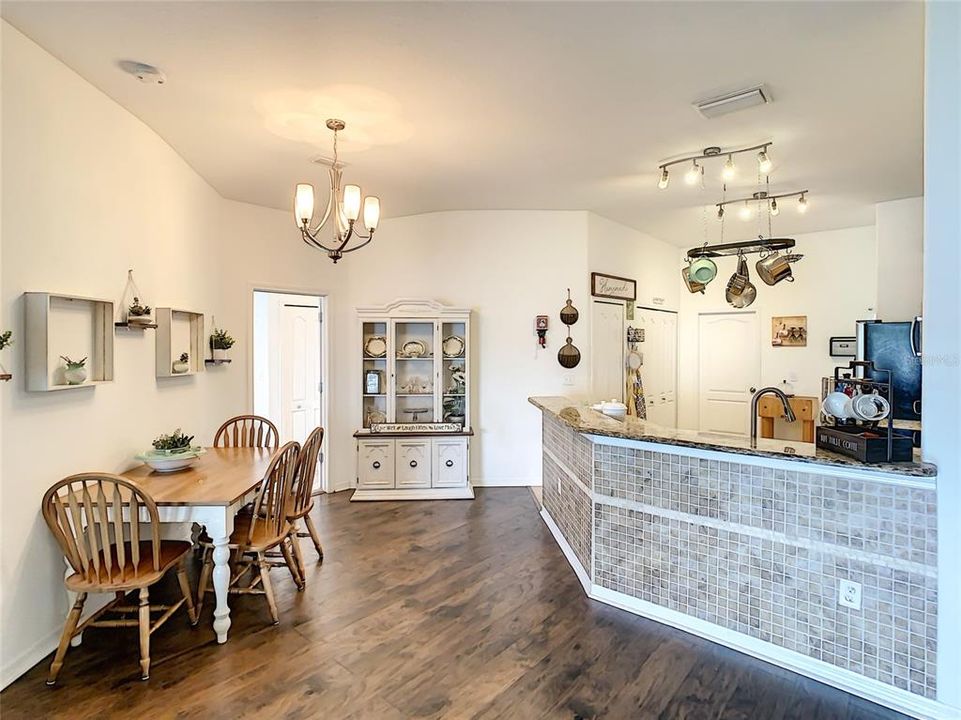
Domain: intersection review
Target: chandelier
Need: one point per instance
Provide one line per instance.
(343, 210)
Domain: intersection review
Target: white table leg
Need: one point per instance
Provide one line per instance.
(221, 577)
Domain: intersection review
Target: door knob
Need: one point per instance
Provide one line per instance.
(413, 463)
(753, 389)
(449, 463)
(376, 465)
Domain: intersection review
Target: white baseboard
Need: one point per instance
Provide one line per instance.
(843, 679)
(464, 493)
(505, 482)
(12, 669)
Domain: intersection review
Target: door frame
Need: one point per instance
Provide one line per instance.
(697, 335)
(325, 332)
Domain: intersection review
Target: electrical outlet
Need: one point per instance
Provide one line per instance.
(568, 378)
(849, 594)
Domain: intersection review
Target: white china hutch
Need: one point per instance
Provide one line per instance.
(415, 402)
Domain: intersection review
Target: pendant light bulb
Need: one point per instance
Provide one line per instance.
(693, 175)
(802, 204)
(745, 212)
(729, 170)
(775, 210)
(665, 179)
(764, 163)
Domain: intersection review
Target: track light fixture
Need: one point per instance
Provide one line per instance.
(771, 199)
(745, 212)
(696, 172)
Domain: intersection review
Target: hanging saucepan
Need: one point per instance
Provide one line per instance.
(693, 285)
(740, 290)
(773, 268)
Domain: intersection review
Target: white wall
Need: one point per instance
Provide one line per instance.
(824, 290)
(88, 192)
(941, 400)
(616, 249)
(899, 225)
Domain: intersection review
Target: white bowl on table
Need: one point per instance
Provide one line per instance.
(166, 461)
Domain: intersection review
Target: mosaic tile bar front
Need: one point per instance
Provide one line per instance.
(758, 550)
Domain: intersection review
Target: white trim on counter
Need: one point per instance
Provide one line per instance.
(793, 465)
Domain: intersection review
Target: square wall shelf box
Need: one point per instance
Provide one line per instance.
(68, 325)
(179, 331)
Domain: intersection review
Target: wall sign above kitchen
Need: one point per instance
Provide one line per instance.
(612, 286)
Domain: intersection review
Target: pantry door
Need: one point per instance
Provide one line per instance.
(729, 363)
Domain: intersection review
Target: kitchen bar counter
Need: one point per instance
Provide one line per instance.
(750, 547)
(583, 419)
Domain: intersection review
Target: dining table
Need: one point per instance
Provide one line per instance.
(209, 493)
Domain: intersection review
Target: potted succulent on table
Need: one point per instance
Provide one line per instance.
(182, 365)
(5, 342)
(220, 343)
(138, 313)
(75, 372)
(171, 452)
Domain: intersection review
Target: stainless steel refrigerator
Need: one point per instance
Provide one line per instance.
(895, 346)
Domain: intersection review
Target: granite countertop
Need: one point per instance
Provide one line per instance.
(591, 422)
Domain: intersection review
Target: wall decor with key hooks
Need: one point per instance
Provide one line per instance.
(569, 356)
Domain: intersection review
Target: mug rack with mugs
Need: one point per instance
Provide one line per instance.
(857, 408)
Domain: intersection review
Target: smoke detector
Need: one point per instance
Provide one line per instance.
(732, 102)
(145, 73)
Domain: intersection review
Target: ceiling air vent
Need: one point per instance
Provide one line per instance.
(732, 102)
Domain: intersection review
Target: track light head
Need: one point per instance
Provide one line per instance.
(764, 163)
(729, 170)
(720, 212)
(664, 180)
(775, 210)
(802, 204)
(692, 176)
(745, 212)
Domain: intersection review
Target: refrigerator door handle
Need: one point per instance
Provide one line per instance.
(916, 336)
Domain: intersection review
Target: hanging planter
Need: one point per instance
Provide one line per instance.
(135, 312)
(220, 344)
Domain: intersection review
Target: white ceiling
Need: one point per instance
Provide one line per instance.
(519, 105)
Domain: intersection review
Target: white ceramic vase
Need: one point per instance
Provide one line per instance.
(220, 354)
(75, 376)
(180, 367)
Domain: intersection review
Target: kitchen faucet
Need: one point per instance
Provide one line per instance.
(788, 410)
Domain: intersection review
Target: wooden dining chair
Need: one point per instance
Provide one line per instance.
(258, 532)
(248, 431)
(96, 520)
(303, 501)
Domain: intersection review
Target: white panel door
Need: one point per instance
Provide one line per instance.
(607, 350)
(728, 367)
(300, 373)
(659, 371)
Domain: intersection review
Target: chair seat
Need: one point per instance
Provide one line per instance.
(123, 577)
(263, 538)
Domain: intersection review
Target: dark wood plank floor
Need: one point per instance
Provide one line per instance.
(426, 610)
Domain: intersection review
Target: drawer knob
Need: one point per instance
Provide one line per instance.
(449, 463)
(376, 465)
(413, 463)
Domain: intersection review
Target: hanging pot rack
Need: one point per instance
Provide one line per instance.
(760, 245)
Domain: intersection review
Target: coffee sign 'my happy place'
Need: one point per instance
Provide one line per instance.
(612, 286)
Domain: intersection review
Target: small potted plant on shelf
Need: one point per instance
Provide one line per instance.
(75, 372)
(182, 365)
(220, 343)
(5, 342)
(454, 410)
(138, 313)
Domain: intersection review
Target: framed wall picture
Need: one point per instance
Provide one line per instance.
(789, 331)
(614, 287)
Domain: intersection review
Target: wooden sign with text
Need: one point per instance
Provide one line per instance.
(612, 286)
